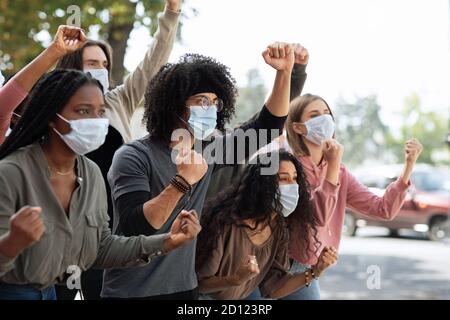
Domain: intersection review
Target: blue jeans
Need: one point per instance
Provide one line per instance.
(255, 295)
(305, 293)
(25, 292)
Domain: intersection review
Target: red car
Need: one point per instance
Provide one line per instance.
(426, 208)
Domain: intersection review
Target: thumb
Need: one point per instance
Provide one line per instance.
(82, 36)
(59, 36)
(266, 54)
(38, 210)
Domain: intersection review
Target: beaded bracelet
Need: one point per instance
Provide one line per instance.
(315, 277)
(308, 282)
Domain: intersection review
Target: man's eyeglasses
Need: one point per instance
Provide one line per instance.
(206, 103)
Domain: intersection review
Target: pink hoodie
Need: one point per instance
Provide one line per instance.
(330, 202)
(11, 95)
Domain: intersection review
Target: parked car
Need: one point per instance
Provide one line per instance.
(426, 208)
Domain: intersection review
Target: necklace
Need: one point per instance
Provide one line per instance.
(61, 173)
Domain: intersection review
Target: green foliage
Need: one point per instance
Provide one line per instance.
(21, 21)
(429, 127)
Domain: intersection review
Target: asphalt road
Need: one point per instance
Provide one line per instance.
(375, 266)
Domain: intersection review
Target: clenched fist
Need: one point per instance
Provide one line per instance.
(191, 165)
(280, 56)
(327, 258)
(413, 148)
(26, 228)
(247, 270)
(301, 54)
(68, 39)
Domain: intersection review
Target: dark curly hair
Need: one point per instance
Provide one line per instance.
(167, 92)
(256, 196)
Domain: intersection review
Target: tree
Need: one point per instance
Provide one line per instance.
(360, 129)
(251, 97)
(22, 21)
(429, 127)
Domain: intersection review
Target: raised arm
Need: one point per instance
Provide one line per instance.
(280, 56)
(362, 200)
(299, 71)
(128, 175)
(128, 95)
(67, 40)
(269, 123)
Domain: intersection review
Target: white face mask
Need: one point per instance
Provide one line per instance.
(101, 75)
(86, 135)
(288, 198)
(320, 129)
(2, 79)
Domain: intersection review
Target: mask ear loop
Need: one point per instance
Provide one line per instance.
(189, 128)
(62, 118)
(301, 124)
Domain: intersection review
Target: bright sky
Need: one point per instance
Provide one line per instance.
(357, 47)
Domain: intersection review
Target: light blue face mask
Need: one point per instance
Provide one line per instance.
(320, 129)
(202, 122)
(288, 198)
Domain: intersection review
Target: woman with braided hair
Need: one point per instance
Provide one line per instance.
(61, 224)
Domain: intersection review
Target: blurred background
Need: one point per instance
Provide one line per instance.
(384, 68)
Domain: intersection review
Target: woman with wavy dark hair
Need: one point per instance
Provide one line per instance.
(244, 241)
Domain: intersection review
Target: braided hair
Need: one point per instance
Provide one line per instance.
(48, 97)
(256, 196)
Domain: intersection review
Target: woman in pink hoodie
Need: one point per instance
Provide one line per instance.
(310, 133)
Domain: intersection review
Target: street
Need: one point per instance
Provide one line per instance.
(409, 267)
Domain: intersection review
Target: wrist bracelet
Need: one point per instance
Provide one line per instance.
(315, 277)
(179, 176)
(308, 282)
(179, 186)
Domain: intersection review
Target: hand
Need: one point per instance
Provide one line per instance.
(247, 270)
(280, 56)
(333, 151)
(301, 54)
(184, 229)
(68, 39)
(413, 148)
(191, 165)
(327, 258)
(26, 228)
(173, 5)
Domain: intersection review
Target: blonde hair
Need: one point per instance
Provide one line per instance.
(296, 109)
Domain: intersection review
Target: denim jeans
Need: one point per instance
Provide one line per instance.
(25, 292)
(305, 293)
(255, 295)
